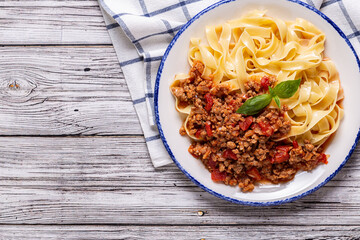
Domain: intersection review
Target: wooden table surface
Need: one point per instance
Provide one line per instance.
(74, 164)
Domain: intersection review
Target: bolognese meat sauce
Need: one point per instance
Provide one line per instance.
(238, 149)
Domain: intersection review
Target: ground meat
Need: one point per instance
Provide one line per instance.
(238, 149)
(182, 131)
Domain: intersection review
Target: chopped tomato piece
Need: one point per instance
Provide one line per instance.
(232, 102)
(229, 154)
(254, 173)
(218, 176)
(266, 128)
(209, 102)
(295, 144)
(212, 164)
(265, 82)
(281, 155)
(283, 148)
(246, 123)
(208, 129)
(323, 158)
(197, 134)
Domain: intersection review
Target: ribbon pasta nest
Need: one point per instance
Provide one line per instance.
(240, 59)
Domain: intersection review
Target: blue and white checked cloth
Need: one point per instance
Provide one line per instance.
(142, 29)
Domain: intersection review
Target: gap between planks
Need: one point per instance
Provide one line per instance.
(167, 225)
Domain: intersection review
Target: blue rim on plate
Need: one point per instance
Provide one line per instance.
(271, 203)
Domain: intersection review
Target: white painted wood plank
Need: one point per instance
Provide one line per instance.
(52, 22)
(95, 164)
(180, 232)
(62, 91)
(169, 206)
(110, 180)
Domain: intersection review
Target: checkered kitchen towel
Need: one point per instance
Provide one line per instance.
(142, 29)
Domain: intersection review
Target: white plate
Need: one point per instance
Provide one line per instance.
(338, 48)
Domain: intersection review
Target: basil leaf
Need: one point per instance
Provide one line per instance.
(272, 93)
(277, 100)
(254, 105)
(287, 89)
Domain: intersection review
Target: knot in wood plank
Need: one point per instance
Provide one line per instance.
(17, 86)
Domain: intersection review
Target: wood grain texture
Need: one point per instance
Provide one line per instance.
(52, 22)
(110, 180)
(179, 232)
(57, 186)
(64, 91)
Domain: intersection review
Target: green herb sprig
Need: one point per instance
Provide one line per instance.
(284, 89)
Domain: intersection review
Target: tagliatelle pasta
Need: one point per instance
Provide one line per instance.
(256, 45)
